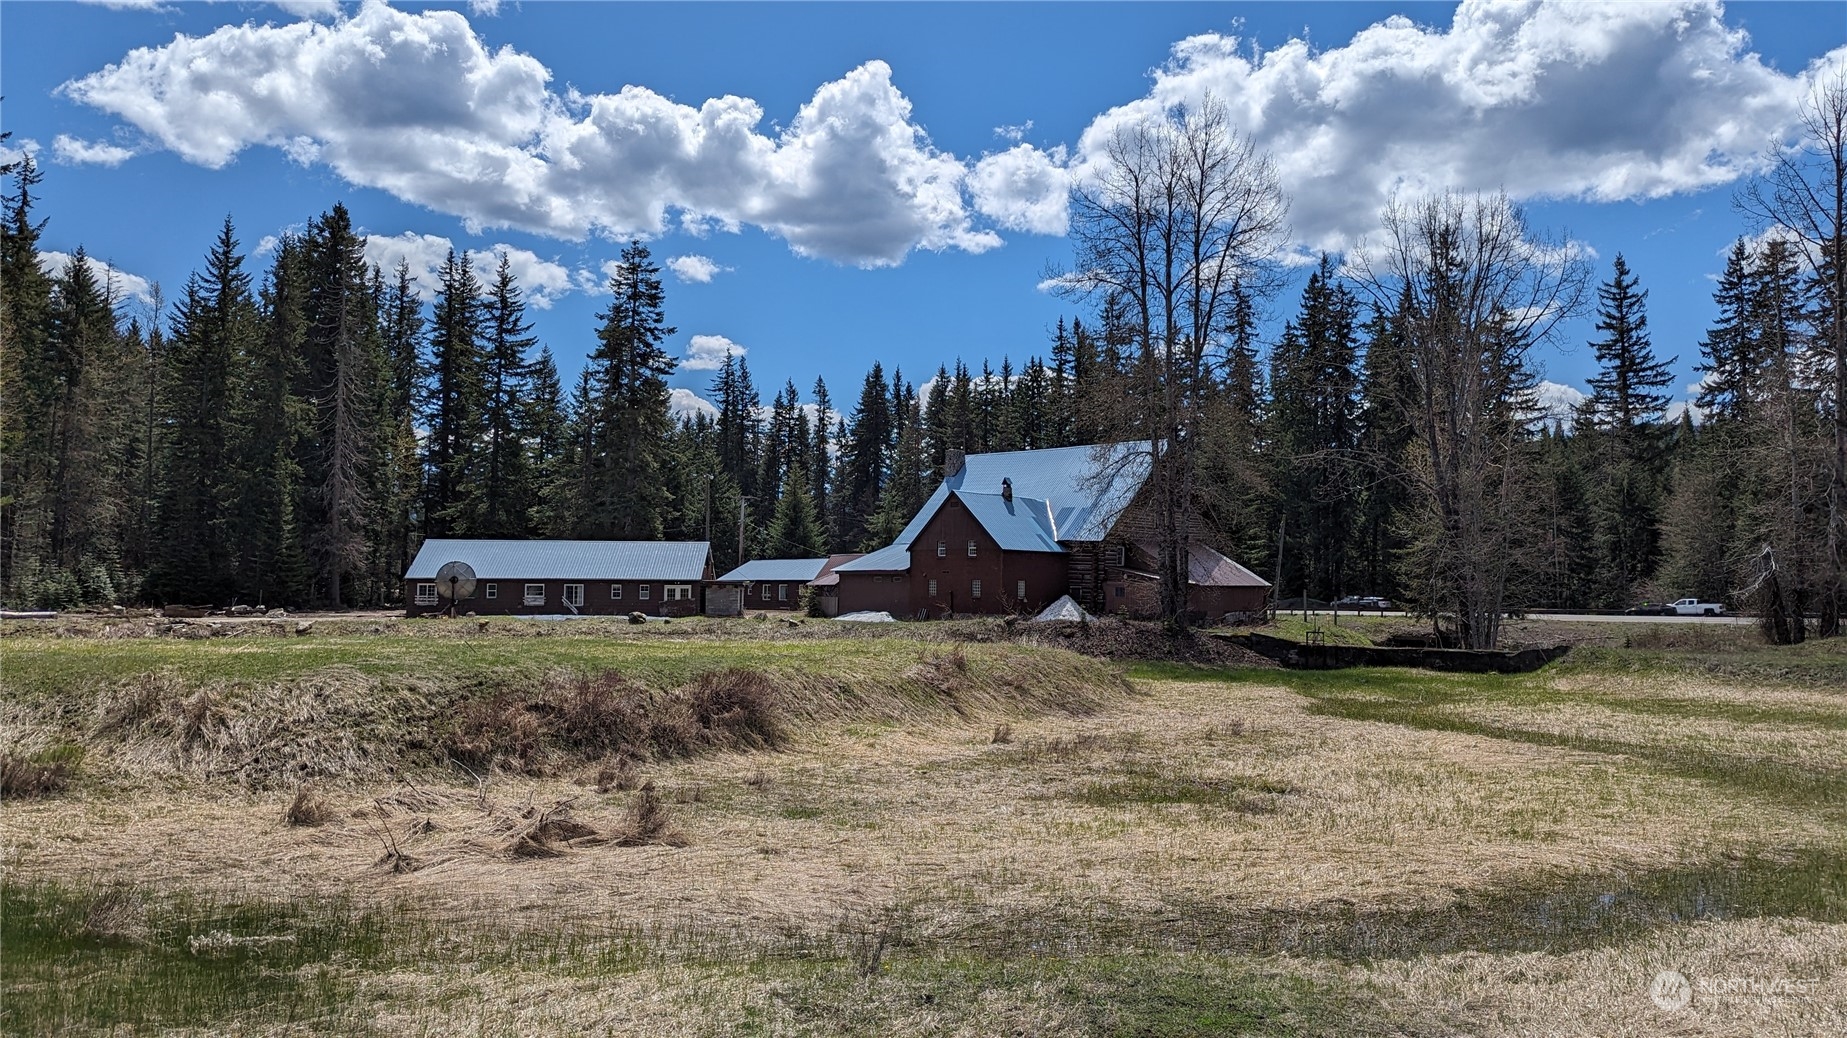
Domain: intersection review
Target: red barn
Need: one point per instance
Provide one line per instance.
(1012, 532)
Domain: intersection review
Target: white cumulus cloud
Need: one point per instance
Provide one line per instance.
(418, 105)
(541, 281)
(111, 278)
(81, 152)
(1558, 401)
(707, 352)
(684, 403)
(1603, 102)
(1023, 189)
(319, 10)
(694, 268)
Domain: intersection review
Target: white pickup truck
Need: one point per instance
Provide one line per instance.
(1694, 607)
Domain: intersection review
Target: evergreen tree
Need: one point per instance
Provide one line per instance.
(864, 457)
(629, 420)
(501, 488)
(1625, 422)
(27, 383)
(454, 404)
(795, 531)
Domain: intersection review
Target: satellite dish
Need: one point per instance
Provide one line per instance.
(455, 581)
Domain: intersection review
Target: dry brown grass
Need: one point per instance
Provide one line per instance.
(308, 808)
(1197, 815)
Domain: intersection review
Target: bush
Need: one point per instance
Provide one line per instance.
(736, 709)
(41, 774)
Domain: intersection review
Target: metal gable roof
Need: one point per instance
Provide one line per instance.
(1022, 524)
(1086, 487)
(893, 558)
(776, 569)
(564, 560)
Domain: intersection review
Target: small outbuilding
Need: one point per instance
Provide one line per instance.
(564, 578)
(768, 583)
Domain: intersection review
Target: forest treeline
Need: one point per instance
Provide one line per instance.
(289, 435)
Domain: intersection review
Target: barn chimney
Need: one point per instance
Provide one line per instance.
(1006, 488)
(953, 460)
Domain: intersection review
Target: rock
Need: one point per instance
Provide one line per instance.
(304, 627)
(278, 612)
(481, 625)
(791, 621)
(262, 610)
(638, 617)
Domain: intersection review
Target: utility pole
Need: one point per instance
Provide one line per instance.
(1276, 589)
(741, 514)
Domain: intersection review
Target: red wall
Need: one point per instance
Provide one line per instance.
(510, 600)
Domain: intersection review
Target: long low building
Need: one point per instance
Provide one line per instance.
(564, 578)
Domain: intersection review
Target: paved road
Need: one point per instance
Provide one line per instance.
(1577, 617)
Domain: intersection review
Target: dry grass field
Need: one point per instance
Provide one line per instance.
(760, 830)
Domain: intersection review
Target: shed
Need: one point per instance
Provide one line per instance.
(565, 577)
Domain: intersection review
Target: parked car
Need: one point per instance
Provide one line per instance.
(1361, 603)
(1695, 607)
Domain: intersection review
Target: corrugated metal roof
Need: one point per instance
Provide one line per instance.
(564, 560)
(893, 558)
(1085, 487)
(1022, 524)
(1207, 567)
(776, 569)
(828, 578)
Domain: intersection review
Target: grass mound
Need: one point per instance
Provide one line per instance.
(283, 714)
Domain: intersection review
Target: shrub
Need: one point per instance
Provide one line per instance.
(308, 808)
(735, 709)
(41, 774)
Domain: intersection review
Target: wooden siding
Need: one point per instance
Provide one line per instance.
(510, 599)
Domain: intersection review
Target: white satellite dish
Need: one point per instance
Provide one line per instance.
(455, 581)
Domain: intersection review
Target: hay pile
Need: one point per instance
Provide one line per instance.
(419, 828)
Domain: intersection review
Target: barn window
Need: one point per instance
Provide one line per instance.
(974, 589)
(426, 594)
(615, 592)
(971, 549)
(782, 592)
(942, 549)
(535, 594)
(932, 587)
(492, 591)
(643, 593)
(574, 594)
(1113, 556)
(1119, 592)
(679, 592)
(1019, 590)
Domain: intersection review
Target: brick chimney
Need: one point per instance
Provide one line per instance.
(953, 460)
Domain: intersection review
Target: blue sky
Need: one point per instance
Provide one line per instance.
(837, 183)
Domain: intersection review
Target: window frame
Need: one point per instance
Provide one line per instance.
(646, 593)
(615, 592)
(972, 547)
(566, 599)
(1115, 555)
(932, 592)
(763, 591)
(942, 549)
(528, 598)
(490, 591)
(425, 593)
(974, 588)
(676, 592)
(782, 592)
(1020, 590)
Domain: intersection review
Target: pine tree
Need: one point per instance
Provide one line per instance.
(820, 459)
(630, 421)
(501, 485)
(344, 375)
(795, 531)
(1625, 422)
(864, 457)
(454, 404)
(908, 487)
(27, 382)
(403, 331)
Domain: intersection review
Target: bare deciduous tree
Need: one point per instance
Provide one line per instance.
(1805, 195)
(1474, 289)
(1179, 212)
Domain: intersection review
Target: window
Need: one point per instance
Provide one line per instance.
(1119, 592)
(932, 587)
(1019, 590)
(782, 592)
(678, 592)
(574, 594)
(942, 549)
(493, 591)
(615, 592)
(535, 594)
(1113, 556)
(971, 549)
(643, 593)
(763, 592)
(974, 590)
(426, 594)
